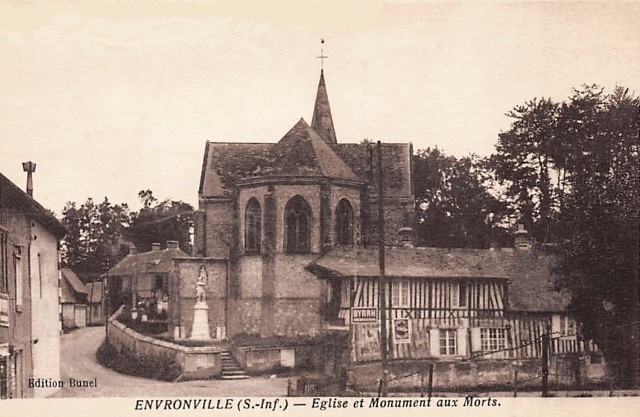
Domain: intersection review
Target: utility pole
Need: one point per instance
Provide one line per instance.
(382, 279)
(545, 364)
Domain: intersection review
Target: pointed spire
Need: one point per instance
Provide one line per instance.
(322, 121)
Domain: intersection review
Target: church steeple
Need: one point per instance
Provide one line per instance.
(322, 121)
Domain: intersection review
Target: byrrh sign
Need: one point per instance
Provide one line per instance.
(364, 314)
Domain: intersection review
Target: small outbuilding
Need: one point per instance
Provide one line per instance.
(73, 300)
(95, 307)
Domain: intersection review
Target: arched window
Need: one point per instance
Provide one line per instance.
(297, 216)
(344, 223)
(252, 227)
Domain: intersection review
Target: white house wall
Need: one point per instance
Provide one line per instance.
(45, 307)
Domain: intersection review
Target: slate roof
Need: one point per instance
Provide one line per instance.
(396, 162)
(11, 196)
(412, 263)
(301, 152)
(304, 151)
(153, 262)
(322, 122)
(94, 292)
(530, 274)
(67, 295)
(73, 280)
(72, 289)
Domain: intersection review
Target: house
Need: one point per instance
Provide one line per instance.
(448, 304)
(480, 316)
(152, 286)
(29, 291)
(95, 306)
(73, 300)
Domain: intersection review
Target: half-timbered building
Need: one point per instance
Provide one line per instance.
(447, 304)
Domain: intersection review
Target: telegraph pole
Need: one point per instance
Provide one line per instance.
(545, 364)
(382, 279)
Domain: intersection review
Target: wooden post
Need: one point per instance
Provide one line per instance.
(422, 383)
(430, 391)
(382, 279)
(515, 383)
(545, 365)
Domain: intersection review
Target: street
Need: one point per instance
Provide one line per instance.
(78, 361)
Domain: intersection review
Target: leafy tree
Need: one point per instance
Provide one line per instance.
(454, 207)
(572, 176)
(159, 221)
(99, 235)
(600, 220)
(94, 231)
(524, 162)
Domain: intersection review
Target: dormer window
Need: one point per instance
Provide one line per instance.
(344, 223)
(253, 227)
(298, 225)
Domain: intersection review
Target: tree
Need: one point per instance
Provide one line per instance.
(600, 221)
(454, 207)
(94, 230)
(572, 176)
(100, 235)
(524, 160)
(161, 221)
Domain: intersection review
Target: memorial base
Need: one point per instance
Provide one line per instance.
(200, 329)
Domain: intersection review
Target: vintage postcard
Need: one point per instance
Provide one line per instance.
(319, 206)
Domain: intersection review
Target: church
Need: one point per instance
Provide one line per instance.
(270, 209)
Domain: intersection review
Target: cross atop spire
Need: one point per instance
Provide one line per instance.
(322, 55)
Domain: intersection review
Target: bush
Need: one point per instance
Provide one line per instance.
(144, 327)
(128, 362)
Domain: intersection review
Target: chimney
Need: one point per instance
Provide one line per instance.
(132, 249)
(406, 237)
(522, 240)
(172, 244)
(29, 167)
(155, 247)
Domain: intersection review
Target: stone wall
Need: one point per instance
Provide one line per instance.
(293, 302)
(565, 371)
(256, 360)
(196, 362)
(220, 226)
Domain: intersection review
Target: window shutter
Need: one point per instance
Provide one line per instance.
(462, 342)
(435, 341)
(476, 344)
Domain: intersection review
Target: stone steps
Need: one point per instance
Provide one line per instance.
(230, 367)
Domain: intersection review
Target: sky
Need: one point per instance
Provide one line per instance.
(113, 97)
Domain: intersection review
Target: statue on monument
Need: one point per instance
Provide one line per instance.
(200, 284)
(200, 325)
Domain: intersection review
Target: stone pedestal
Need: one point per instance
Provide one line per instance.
(200, 329)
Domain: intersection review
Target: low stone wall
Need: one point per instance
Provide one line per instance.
(564, 372)
(196, 362)
(257, 360)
